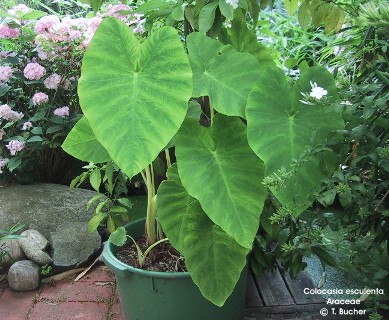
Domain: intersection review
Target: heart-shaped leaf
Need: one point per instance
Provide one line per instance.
(213, 258)
(281, 130)
(222, 73)
(82, 144)
(217, 167)
(134, 95)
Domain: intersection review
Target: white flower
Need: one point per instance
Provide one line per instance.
(317, 92)
(3, 163)
(62, 112)
(14, 146)
(27, 126)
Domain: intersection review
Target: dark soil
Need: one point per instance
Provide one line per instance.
(163, 257)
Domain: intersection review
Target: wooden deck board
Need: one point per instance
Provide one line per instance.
(296, 288)
(292, 312)
(277, 297)
(273, 290)
(252, 296)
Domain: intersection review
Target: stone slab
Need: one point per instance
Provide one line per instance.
(53, 210)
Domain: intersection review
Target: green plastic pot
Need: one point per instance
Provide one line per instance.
(146, 295)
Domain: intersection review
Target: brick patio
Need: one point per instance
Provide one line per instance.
(93, 297)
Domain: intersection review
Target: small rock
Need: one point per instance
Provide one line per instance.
(13, 253)
(33, 245)
(24, 276)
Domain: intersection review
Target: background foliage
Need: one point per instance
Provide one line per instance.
(349, 38)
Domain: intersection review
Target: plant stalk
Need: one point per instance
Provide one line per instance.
(151, 208)
(168, 160)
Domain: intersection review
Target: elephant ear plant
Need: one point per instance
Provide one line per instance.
(262, 133)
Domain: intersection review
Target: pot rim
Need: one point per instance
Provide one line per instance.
(116, 265)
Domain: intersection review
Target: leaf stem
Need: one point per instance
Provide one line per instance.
(151, 208)
(168, 160)
(212, 113)
(142, 255)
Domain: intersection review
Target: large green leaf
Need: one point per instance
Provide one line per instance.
(217, 167)
(213, 258)
(134, 95)
(82, 144)
(222, 73)
(172, 205)
(281, 129)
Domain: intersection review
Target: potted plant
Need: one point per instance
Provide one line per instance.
(257, 133)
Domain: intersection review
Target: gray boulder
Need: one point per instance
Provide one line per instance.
(67, 250)
(53, 210)
(13, 253)
(24, 276)
(34, 245)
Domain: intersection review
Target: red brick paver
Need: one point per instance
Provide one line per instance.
(16, 305)
(116, 312)
(78, 292)
(100, 274)
(93, 297)
(70, 311)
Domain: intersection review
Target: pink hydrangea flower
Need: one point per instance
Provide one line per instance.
(137, 23)
(42, 54)
(62, 112)
(5, 73)
(8, 33)
(46, 24)
(34, 71)
(80, 23)
(27, 125)
(6, 54)
(57, 31)
(115, 10)
(67, 84)
(39, 98)
(3, 163)
(94, 23)
(7, 113)
(90, 31)
(74, 28)
(45, 48)
(20, 7)
(53, 81)
(14, 146)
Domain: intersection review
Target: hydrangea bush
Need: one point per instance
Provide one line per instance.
(40, 57)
